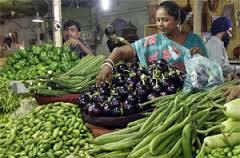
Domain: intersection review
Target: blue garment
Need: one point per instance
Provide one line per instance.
(193, 40)
(158, 46)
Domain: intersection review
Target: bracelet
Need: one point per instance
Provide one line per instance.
(110, 61)
(108, 64)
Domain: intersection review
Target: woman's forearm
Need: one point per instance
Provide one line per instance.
(124, 53)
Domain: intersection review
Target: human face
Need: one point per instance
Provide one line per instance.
(71, 32)
(166, 24)
(226, 37)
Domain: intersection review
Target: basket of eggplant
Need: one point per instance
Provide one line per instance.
(116, 105)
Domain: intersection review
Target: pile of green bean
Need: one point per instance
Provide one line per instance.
(53, 130)
(9, 101)
(170, 131)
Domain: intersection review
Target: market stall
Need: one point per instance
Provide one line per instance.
(175, 105)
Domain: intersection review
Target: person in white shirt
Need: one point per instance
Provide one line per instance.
(221, 34)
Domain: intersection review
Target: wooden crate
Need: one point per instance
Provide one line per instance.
(150, 29)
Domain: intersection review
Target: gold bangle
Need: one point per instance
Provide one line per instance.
(110, 61)
(108, 64)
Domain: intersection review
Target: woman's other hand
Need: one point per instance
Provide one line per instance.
(195, 50)
(232, 93)
(232, 76)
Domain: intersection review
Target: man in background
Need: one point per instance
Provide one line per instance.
(71, 36)
(221, 31)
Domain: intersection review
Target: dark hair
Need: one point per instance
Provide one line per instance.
(8, 41)
(173, 10)
(70, 23)
(109, 30)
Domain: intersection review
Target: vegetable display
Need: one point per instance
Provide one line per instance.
(38, 61)
(9, 101)
(53, 130)
(226, 152)
(75, 80)
(131, 85)
(227, 143)
(172, 130)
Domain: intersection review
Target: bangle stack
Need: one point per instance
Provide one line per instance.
(109, 63)
(109, 60)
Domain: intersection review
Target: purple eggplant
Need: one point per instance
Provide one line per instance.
(163, 93)
(139, 73)
(171, 89)
(104, 91)
(122, 68)
(164, 83)
(99, 98)
(157, 90)
(94, 109)
(122, 91)
(134, 66)
(93, 89)
(116, 111)
(129, 108)
(115, 101)
(107, 111)
(174, 79)
(84, 99)
(103, 85)
(142, 92)
(152, 96)
(119, 80)
(162, 65)
(152, 82)
(132, 99)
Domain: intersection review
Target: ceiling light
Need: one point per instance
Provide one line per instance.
(105, 4)
(37, 18)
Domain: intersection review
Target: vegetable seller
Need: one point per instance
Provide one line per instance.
(169, 17)
(221, 34)
(71, 31)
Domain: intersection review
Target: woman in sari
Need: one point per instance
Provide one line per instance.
(169, 17)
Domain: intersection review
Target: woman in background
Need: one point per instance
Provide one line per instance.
(169, 17)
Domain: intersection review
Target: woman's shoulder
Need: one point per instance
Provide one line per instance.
(192, 35)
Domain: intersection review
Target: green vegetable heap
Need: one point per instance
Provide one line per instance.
(38, 61)
(226, 152)
(173, 130)
(9, 101)
(54, 130)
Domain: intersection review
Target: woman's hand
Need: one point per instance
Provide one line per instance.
(105, 74)
(232, 93)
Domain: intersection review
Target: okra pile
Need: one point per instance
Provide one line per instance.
(231, 152)
(9, 101)
(172, 130)
(54, 130)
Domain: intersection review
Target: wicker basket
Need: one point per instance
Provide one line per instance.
(72, 98)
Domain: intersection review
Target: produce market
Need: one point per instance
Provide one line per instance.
(119, 79)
